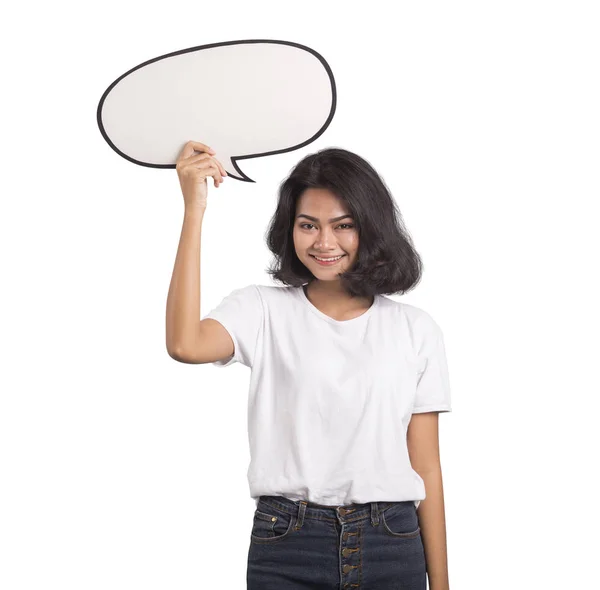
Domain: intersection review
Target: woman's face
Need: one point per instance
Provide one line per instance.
(323, 227)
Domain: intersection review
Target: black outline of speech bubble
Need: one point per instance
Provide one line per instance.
(233, 158)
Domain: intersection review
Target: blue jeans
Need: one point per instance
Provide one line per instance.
(298, 545)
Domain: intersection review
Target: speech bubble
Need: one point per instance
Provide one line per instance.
(245, 99)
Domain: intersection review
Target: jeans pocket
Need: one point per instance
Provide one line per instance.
(401, 520)
(270, 524)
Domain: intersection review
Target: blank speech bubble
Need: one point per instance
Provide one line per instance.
(244, 99)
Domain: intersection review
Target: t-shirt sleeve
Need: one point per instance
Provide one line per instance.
(433, 383)
(241, 314)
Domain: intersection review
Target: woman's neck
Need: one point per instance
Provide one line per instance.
(330, 296)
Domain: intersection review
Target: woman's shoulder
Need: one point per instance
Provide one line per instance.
(274, 293)
(417, 317)
(275, 290)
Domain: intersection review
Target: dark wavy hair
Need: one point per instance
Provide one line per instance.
(387, 262)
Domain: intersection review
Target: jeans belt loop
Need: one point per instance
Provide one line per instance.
(374, 513)
(301, 510)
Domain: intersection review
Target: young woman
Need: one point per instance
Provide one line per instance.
(346, 384)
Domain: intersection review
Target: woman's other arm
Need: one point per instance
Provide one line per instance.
(423, 450)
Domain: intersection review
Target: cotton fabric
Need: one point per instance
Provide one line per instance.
(329, 401)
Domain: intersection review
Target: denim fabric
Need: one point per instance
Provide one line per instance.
(296, 545)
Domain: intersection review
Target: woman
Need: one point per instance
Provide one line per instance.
(346, 384)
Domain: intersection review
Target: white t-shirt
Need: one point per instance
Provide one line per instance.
(329, 401)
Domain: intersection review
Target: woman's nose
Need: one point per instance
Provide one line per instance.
(324, 239)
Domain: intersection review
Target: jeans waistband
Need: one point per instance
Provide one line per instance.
(344, 513)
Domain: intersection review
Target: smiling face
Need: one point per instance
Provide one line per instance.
(323, 227)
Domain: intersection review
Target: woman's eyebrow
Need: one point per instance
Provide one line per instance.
(316, 219)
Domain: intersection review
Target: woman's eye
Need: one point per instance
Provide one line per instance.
(341, 224)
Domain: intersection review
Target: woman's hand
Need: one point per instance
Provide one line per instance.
(193, 169)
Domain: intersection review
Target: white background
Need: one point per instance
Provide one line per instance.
(122, 468)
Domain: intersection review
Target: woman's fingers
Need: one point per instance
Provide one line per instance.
(221, 167)
(191, 146)
(218, 177)
(206, 156)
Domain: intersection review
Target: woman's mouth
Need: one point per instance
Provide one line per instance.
(327, 261)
